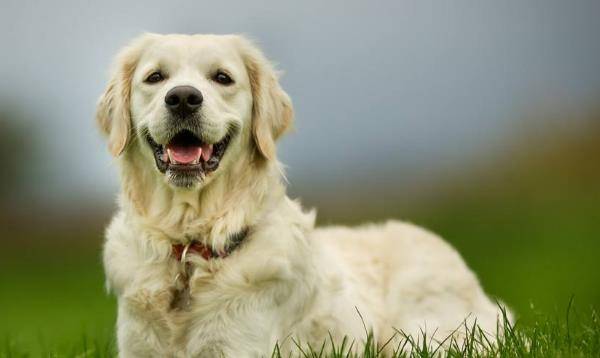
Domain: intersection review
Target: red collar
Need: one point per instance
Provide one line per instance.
(193, 247)
(197, 247)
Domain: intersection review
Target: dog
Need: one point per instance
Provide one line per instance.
(208, 256)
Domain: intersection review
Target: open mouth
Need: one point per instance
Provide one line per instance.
(186, 154)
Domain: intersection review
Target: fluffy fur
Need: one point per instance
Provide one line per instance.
(288, 279)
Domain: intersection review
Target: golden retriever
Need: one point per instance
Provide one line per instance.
(209, 257)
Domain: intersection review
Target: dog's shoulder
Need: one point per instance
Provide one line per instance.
(128, 249)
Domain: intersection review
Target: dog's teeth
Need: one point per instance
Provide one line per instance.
(171, 157)
(207, 151)
(164, 157)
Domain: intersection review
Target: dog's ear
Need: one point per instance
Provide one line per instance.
(272, 111)
(113, 111)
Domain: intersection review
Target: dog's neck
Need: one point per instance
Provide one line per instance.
(238, 198)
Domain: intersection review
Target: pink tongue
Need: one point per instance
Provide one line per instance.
(184, 154)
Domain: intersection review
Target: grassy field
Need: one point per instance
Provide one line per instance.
(53, 301)
(573, 335)
(535, 257)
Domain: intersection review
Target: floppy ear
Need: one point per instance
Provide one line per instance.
(113, 111)
(272, 111)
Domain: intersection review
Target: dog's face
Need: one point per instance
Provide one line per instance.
(193, 103)
(190, 99)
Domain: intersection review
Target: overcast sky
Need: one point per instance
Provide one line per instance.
(377, 85)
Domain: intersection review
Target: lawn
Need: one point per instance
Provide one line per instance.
(535, 255)
(574, 334)
(54, 302)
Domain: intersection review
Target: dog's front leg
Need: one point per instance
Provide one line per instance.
(242, 312)
(141, 277)
(145, 320)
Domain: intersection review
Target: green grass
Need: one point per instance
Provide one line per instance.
(54, 300)
(547, 337)
(574, 335)
(53, 304)
(532, 254)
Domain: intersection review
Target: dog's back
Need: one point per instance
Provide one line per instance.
(412, 279)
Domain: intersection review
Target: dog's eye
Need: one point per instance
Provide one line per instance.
(222, 78)
(154, 77)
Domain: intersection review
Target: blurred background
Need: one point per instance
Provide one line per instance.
(477, 120)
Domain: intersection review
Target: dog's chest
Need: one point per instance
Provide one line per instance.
(191, 279)
(205, 302)
(176, 306)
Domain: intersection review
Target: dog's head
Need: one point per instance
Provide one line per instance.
(191, 104)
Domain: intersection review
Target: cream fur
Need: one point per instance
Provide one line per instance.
(288, 279)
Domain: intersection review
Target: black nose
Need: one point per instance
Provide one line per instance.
(183, 100)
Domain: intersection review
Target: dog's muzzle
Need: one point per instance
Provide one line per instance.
(186, 156)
